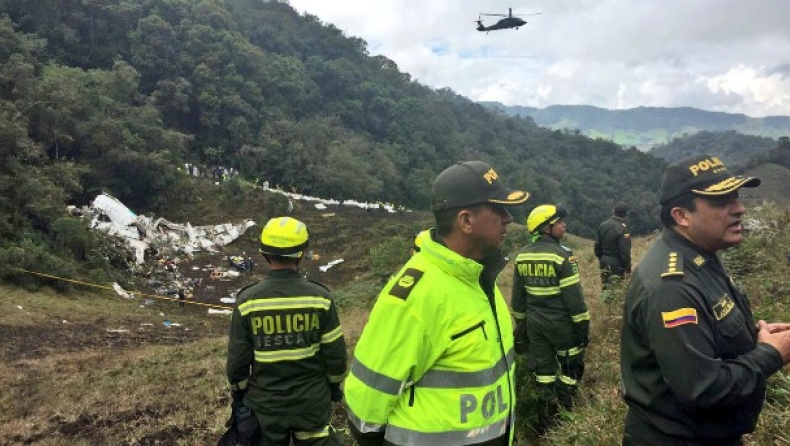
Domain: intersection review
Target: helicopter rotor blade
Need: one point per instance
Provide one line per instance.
(495, 15)
(527, 15)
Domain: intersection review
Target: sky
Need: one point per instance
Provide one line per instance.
(720, 55)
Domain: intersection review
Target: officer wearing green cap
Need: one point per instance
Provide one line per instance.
(613, 247)
(549, 308)
(435, 362)
(286, 351)
(694, 364)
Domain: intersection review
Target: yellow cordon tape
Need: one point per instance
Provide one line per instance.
(94, 285)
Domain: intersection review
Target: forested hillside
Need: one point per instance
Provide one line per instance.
(114, 94)
(645, 127)
(737, 149)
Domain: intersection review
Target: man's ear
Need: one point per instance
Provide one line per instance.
(464, 221)
(680, 215)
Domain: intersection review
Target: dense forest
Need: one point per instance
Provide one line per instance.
(737, 149)
(113, 95)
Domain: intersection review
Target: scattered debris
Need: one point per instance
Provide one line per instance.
(322, 203)
(323, 268)
(117, 330)
(121, 292)
(242, 262)
(215, 311)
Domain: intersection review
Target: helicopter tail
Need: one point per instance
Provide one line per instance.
(480, 26)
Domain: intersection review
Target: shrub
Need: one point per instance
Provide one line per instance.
(388, 256)
(361, 294)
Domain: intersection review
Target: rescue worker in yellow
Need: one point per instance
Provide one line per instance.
(286, 352)
(549, 308)
(434, 364)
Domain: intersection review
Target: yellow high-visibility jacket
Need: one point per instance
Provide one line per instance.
(435, 362)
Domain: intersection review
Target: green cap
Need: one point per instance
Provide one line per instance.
(471, 183)
(702, 175)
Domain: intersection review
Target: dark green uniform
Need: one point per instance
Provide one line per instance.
(548, 297)
(613, 249)
(286, 339)
(692, 370)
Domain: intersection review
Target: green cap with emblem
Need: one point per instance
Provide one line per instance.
(471, 183)
(702, 175)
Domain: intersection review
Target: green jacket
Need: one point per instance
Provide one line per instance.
(690, 362)
(285, 344)
(435, 362)
(613, 244)
(546, 286)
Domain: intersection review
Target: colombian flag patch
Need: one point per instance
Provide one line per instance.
(679, 317)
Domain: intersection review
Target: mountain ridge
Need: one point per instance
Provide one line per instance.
(645, 127)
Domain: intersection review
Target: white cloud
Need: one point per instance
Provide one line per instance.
(725, 55)
(770, 94)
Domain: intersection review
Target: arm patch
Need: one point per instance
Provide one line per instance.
(405, 283)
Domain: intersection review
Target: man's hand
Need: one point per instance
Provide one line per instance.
(336, 391)
(237, 398)
(777, 336)
(582, 333)
(775, 327)
(520, 338)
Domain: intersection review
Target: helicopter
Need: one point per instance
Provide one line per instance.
(509, 21)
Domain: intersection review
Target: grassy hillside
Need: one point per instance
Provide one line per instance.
(85, 367)
(646, 127)
(775, 185)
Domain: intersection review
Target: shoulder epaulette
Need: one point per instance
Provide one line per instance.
(674, 265)
(318, 283)
(405, 283)
(569, 250)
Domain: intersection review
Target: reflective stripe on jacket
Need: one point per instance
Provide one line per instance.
(435, 363)
(546, 281)
(286, 338)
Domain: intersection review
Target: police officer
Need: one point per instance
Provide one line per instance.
(547, 299)
(613, 247)
(286, 352)
(694, 364)
(435, 362)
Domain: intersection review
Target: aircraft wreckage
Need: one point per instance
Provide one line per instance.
(140, 232)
